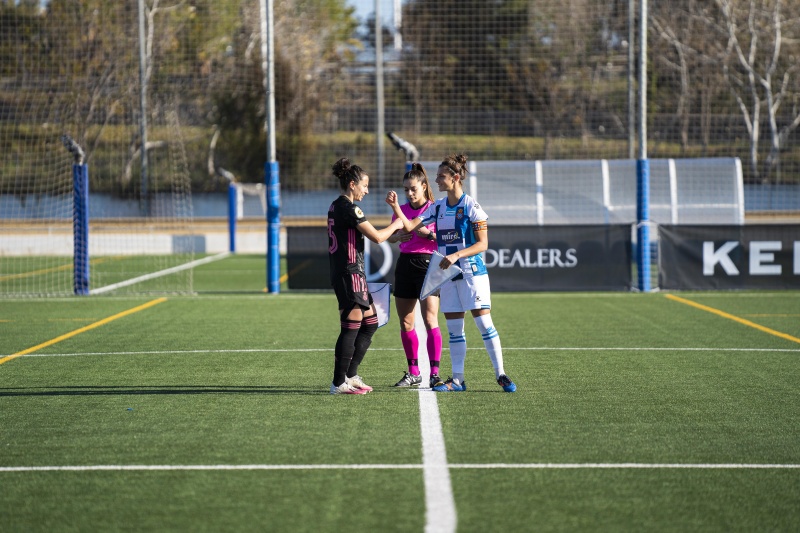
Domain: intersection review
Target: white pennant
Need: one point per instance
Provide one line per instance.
(381, 297)
(436, 277)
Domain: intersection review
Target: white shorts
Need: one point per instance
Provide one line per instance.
(462, 295)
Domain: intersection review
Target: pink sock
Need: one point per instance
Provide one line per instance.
(434, 349)
(411, 345)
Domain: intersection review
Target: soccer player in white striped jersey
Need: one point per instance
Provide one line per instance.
(462, 236)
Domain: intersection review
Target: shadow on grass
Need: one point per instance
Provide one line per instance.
(171, 389)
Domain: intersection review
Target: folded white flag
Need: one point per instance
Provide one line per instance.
(381, 297)
(436, 277)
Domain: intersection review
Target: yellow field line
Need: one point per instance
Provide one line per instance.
(82, 330)
(35, 272)
(733, 317)
(285, 277)
(52, 269)
(281, 280)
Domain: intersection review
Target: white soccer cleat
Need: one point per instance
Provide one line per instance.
(357, 383)
(346, 388)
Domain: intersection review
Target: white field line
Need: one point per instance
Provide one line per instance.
(463, 466)
(505, 349)
(627, 466)
(165, 272)
(325, 295)
(440, 504)
(92, 468)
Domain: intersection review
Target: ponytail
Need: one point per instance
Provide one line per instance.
(418, 173)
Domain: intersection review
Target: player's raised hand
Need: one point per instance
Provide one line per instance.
(391, 198)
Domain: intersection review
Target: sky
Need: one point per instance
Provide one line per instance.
(366, 7)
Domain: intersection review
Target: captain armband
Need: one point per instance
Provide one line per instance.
(480, 225)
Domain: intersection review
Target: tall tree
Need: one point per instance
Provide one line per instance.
(762, 70)
(311, 49)
(542, 59)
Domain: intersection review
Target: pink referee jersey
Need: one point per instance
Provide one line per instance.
(417, 245)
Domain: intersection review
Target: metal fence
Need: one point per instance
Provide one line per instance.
(508, 80)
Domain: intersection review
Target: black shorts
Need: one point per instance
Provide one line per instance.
(409, 274)
(351, 290)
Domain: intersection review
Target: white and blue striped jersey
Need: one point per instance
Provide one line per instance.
(455, 230)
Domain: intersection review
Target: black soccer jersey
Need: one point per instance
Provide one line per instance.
(345, 242)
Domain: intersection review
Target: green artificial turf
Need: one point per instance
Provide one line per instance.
(235, 377)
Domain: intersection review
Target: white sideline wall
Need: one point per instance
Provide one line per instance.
(555, 192)
(682, 191)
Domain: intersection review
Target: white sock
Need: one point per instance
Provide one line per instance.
(491, 339)
(458, 347)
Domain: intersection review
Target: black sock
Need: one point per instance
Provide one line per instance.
(345, 347)
(368, 328)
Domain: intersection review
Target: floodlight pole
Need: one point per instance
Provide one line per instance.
(271, 168)
(144, 198)
(380, 127)
(398, 24)
(642, 163)
(631, 81)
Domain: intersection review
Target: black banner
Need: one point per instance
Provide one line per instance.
(307, 259)
(519, 258)
(729, 257)
(559, 258)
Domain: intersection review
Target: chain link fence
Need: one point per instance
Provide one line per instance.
(511, 80)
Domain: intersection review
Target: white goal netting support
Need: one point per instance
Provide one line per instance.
(245, 200)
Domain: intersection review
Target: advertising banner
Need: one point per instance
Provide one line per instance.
(519, 258)
(559, 258)
(307, 259)
(729, 257)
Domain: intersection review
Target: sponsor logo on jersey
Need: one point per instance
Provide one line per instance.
(449, 236)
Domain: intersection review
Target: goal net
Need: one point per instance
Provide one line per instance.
(36, 226)
(39, 247)
(86, 84)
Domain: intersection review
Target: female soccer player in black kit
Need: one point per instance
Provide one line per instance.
(347, 227)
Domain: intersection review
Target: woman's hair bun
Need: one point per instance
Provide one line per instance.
(457, 163)
(341, 167)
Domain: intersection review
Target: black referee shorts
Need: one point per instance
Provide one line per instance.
(409, 274)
